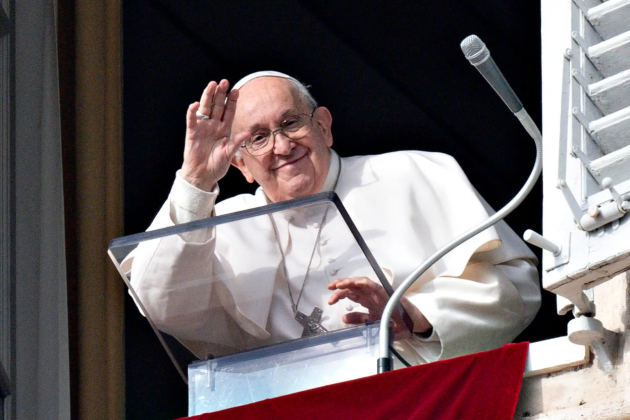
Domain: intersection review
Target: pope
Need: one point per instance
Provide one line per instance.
(270, 128)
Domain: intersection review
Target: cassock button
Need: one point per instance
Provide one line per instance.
(349, 308)
(316, 225)
(331, 260)
(323, 242)
(333, 271)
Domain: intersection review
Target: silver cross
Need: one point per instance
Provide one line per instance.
(311, 323)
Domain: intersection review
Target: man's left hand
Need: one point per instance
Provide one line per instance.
(373, 297)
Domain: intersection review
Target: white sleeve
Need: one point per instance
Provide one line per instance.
(185, 203)
(174, 276)
(189, 203)
(484, 308)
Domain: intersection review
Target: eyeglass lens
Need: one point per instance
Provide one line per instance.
(293, 127)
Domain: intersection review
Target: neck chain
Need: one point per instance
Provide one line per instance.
(310, 323)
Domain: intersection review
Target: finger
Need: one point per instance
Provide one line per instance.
(219, 100)
(333, 284)
(191, 115)
(346, 284)
(356, 318)
(230, 108)
(337, 296)
(366, 296)
(206, 98)
(357, 285)
(355, 297)
(235, 142)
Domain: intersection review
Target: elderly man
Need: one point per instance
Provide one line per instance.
(269, 127)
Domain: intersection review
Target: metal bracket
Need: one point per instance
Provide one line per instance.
(582, 6)
(561, 253)
(597, 216)
(582, 305)
(568, 54)
(588, 331)
(584, 122)
(564, 256)
(564, 305)
(581, 81)
(576, 152)
(622, 204)
(600, 215)
(581, 42)
(575, 208)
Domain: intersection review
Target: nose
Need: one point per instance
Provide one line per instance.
(283, 145)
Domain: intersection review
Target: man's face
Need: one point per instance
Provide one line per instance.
(293, 168)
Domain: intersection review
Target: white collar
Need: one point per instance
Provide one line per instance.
(333, 171)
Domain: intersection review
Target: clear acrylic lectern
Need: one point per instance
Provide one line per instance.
(246, 294)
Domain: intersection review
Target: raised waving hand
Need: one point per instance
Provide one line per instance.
(210, 144)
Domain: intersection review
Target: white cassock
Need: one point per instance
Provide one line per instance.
(223, 290)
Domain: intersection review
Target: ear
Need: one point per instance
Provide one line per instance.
(324, 121)
(239, 163)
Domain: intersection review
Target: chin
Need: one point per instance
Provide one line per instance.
(296, 190)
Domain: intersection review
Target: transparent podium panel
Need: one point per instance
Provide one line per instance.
(249, 280)
(282, 369)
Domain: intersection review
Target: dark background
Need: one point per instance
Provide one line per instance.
(391, 73)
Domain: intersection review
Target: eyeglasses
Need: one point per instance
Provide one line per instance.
(293, 127)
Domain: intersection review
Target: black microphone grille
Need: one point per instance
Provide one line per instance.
(475, 50)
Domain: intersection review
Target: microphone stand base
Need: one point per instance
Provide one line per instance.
(384, 364)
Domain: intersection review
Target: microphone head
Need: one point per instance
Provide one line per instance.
(475, 50)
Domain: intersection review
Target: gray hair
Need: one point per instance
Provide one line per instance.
(305, 94)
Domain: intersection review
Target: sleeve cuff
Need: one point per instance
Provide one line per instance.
(189, 203)
(428, 348)
(427, 336)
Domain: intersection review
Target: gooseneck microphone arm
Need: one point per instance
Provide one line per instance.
(477, 53)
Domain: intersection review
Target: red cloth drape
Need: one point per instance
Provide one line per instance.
(478, 386)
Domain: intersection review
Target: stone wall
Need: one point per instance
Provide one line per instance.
(587, 392)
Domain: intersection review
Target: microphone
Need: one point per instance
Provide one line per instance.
(479, 56)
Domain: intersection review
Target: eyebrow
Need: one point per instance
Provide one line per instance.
(283, 116)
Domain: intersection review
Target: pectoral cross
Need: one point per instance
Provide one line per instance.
(311, 323)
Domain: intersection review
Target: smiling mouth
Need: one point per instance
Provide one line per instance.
(283, 164)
